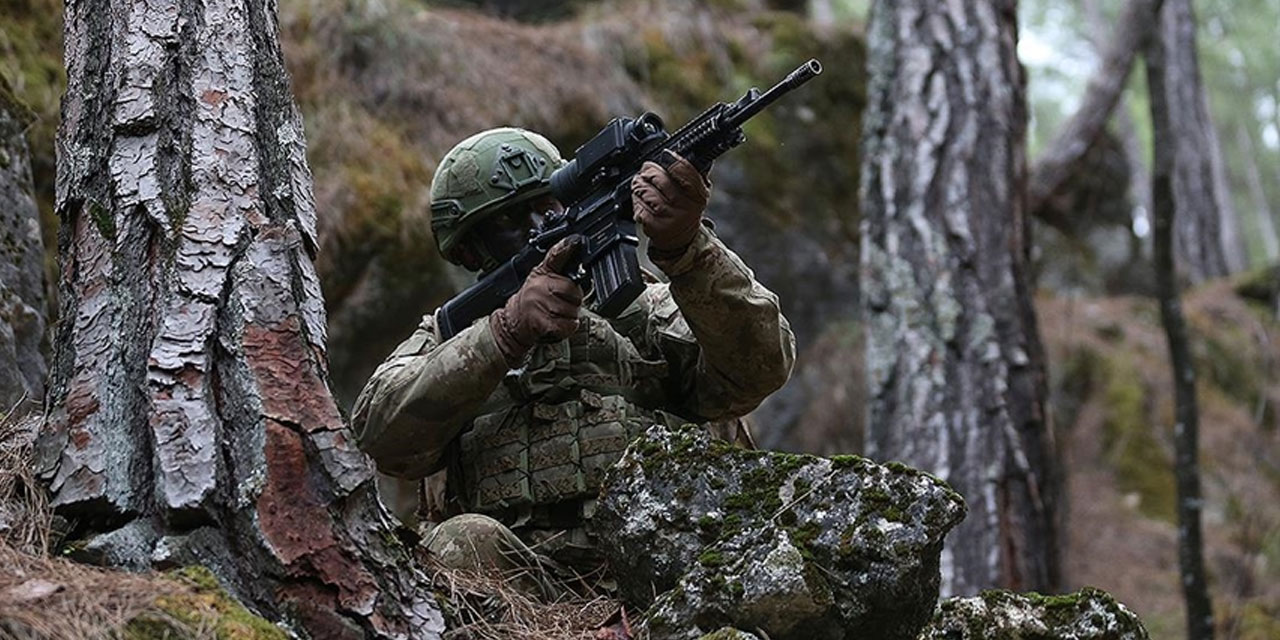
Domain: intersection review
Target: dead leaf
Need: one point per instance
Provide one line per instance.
(30, 591)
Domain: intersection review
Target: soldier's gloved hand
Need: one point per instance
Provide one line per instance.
(668, 203)
(545, 309)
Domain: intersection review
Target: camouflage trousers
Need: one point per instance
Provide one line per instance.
(539, 560)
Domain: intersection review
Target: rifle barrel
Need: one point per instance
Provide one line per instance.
(799, 76)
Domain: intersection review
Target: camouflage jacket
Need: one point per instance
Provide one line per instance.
(709, 345)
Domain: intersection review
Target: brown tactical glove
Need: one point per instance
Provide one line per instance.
(545, 309)
(668, 204)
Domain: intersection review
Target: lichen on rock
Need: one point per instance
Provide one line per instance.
(1089, 614)
(797, 546)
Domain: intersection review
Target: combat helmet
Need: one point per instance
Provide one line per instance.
(485, 174)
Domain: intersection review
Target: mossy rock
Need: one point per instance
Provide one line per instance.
(729, 633)
(198, 606)
(798, 546)
(1089, 614)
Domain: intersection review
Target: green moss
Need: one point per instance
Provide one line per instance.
(732, 524)
(1130, 441)
(1053, 601)
(1261, 286)
(31, 42)
(200, 577)
(103, 220)
(711, 559)
(899, 467)
(200, 604)
(894, 513)
(1228, 358)
(1256, 621)
(848, 462)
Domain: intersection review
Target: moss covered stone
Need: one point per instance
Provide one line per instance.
(788, 543)
(198, 606)
(1089, 614)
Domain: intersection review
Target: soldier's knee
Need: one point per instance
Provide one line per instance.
(471, 541)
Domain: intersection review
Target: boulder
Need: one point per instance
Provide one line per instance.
(797, 546)
(729, 633)
(22, 294)
(1088, 614)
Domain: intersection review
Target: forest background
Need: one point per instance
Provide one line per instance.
(386, 86)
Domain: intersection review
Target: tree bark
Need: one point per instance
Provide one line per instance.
(1106, 85)
(1203, 236)
(22, 296)
(954, 362)
(191, 419)
(1170, 141)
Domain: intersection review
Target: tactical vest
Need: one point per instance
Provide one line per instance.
(558, 424)
(541, 454)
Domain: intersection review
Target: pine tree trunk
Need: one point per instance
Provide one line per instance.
(1204, 238)
(1171, 137)
(954, 361)
(22, 296)
(190, 418)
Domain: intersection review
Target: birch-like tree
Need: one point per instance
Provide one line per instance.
(954, 363)
(191, 420)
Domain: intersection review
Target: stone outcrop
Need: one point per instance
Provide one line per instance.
(797, 546)
(22, 296)
(1089, 614)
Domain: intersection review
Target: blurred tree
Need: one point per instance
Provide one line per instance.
(191, 420)
(1205, 239)
(1240, 65)
(1074, 138)
(1173, 78)
(954, 363)
(1257, 192)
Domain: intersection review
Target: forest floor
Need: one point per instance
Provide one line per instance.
(1113, 406)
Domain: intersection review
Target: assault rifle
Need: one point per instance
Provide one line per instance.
(595, 189)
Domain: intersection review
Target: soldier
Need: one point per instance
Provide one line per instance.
(527, 408)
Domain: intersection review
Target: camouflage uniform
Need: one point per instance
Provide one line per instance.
(528, 446)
